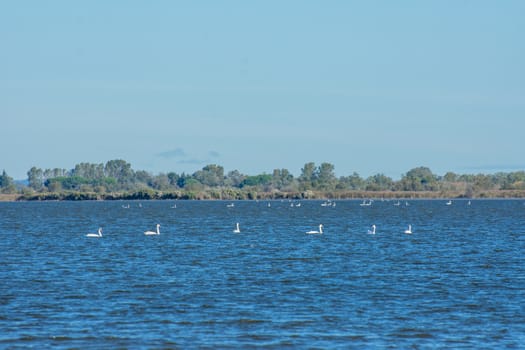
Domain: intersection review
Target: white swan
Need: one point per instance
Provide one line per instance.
(373, 232)
(409, 230)
(96, 235)
(237, 229)
(320, 232)
(449, 202)
(151, 233)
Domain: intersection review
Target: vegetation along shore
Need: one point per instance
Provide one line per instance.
(116, 180)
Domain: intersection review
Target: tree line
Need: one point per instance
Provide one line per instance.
(116, 179)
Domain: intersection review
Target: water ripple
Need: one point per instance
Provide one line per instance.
(456, 282)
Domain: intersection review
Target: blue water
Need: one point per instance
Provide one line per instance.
(457, 282)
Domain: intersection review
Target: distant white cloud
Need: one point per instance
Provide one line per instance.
(182, 157)
(176, 153)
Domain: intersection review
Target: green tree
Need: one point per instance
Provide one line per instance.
(211, 175)
(160, 182)
(89, 170)
(7, 184)
(419, 179)
(109, 184)
(183, 180)
(379, 182)
(53, 185)
(308, 176)
(67, 182)
(468, 178)
(56, 172)
(173, 178)
(35, 177)
(143, 178)
(234, 178)
(260, 181)
(120, 170)
(513, 181)
(483, 182)
(326, 179)
(282, 178)
(353, 182)
(450, 177)
(192, 184)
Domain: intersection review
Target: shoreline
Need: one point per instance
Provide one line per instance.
(308, 195)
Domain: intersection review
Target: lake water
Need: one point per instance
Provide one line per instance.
(457, 282)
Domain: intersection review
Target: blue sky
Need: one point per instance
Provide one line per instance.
(369, 86)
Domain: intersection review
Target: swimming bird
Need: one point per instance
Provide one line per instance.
(237, 229)
(320, 232)
(96, 235)
(373, 232)
(151, 233)
(409, 230)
